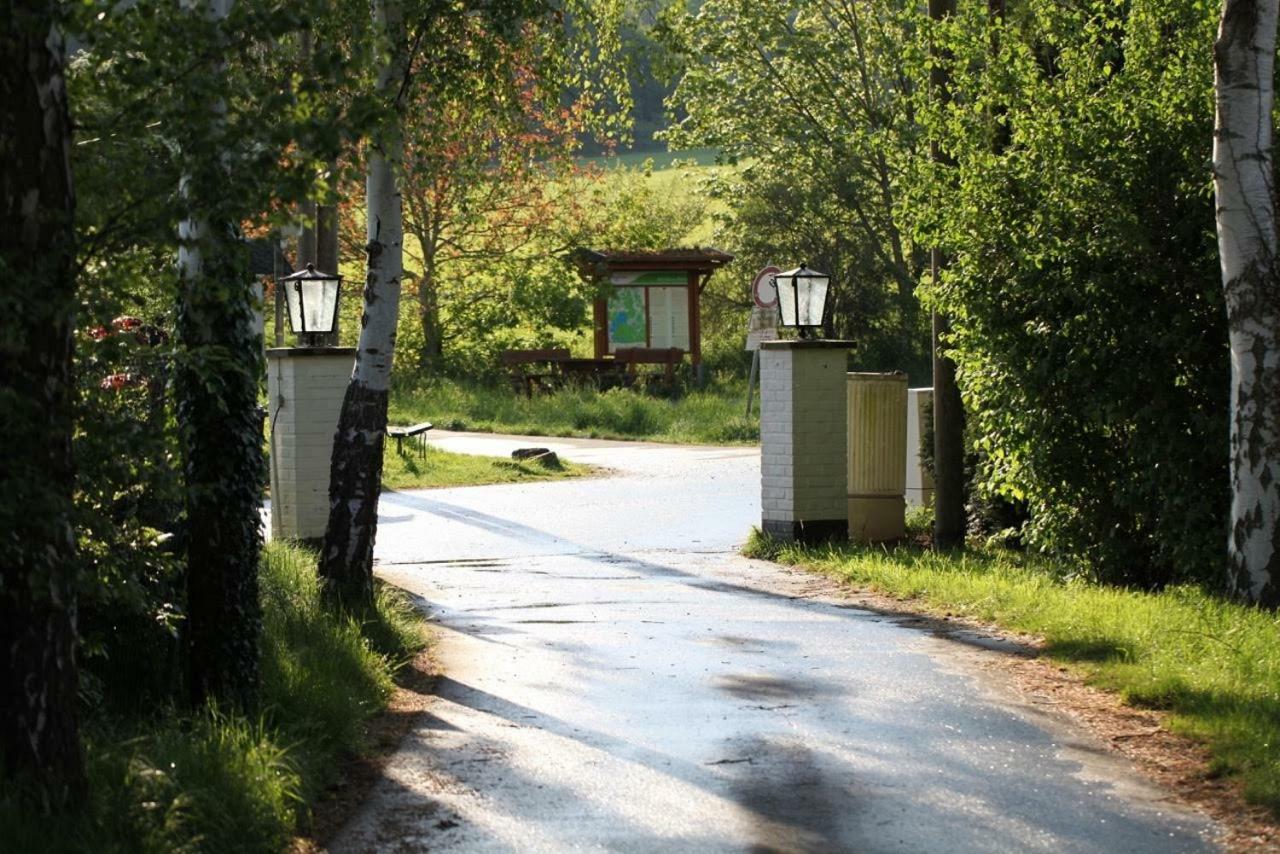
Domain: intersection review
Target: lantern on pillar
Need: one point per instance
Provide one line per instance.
(802, 298)
(312, 298)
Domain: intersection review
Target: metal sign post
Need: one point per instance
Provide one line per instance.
(763, 325)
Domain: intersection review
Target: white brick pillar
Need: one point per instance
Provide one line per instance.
(919, 426)
(305, 386)
(803, 439)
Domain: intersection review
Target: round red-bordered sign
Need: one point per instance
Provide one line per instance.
(763, 290)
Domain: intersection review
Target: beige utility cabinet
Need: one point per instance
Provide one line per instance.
(877, 448)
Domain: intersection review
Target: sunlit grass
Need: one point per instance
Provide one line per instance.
(714, 416)
(1213, 665)
(433, 467)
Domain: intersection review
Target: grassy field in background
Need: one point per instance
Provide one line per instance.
(660, 159)
(714, 416)
(437, 468)
(1213, 665)
(167, 780)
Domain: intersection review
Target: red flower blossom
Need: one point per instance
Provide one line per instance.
(115, 382)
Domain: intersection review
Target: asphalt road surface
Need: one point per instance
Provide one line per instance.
(617, 678)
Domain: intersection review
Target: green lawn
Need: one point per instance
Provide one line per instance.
(1212, 664)
(437, 468)
(714, 416)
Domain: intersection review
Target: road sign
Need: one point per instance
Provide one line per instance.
(763, 291)
(764, 311)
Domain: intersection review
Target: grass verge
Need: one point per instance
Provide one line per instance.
(215, 782)
(713, 416)
(437, 468)
(1213, 665)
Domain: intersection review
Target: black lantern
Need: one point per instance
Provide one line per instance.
(802, 297)
(312, 297)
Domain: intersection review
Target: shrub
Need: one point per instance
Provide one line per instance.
(1089, 331)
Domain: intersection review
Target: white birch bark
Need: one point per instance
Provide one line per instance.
(1244, 57)
(355, 477)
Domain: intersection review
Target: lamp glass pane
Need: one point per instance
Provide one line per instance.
(318, 299)
(813, 300)
(786, 283)
(294, 302)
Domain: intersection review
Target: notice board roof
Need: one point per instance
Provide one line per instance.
(600, 261)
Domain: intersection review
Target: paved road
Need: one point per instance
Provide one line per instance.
(618, 679)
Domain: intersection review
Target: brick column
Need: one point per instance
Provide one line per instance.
(803, 439)
(919, 425)
(305, 387)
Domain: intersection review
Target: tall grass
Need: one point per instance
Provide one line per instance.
(711, 416)
(1214, 665)
(215, 782)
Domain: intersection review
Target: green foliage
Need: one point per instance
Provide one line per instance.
(161, 781)
(1088, 324)
(492, 298)
(129, 513)
(629, 211)
(711, 416)
(814, 103)
(1212, 664)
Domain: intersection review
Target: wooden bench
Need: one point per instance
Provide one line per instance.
(668, 357)
(533, 368)
(416, 432)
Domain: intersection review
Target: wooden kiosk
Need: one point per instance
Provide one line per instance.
(654, 299)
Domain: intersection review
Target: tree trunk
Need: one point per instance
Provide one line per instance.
(1244, 57)
(948, 411)
(216, 385)
(327, 253)
(307, 235)
(355, 475)
(948, 436)
(39, 731)
(432, 354)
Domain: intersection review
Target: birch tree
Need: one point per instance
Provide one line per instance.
(39, 733)
(1244, 58)
(355, 475)
(216, 383)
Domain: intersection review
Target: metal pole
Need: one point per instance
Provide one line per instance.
(751, 378)
(278, 291)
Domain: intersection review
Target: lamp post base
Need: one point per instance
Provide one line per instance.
(810, 533)
(305, 388)
(803, 440)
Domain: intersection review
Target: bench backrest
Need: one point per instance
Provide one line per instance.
(649, 355)
(512, 358)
